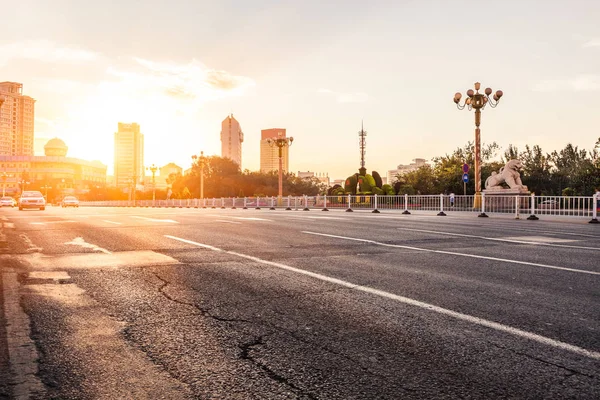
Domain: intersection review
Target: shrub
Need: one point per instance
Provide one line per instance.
(388, 190)
(350, 184)
(377, 177)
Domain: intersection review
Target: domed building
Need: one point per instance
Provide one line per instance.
(53, 174)
(56, 147)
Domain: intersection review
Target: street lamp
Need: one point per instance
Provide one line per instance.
(478, 101)
(46, 187)
(153, 169)
(280, 142)
(23, 184)
(4, 174)
(201, 160)
(129, 186)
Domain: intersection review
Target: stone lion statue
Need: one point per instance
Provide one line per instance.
(508, 174)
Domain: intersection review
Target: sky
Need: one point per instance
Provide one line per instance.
(316, 68)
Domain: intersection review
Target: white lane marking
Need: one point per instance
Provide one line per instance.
(519, 240)
(312, 217)
(464, 317)
(121, 259)
(228, 222)
(51, 222)
(206, 246)
(79, 241)
(155, 219)
(503, 227)
(452, 253)
(112, 222)
(8, 225)
(252, 219)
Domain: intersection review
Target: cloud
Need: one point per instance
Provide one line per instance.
(592, 43)
(324, 91)
(44, 51)
(193, 81)
(581, 83)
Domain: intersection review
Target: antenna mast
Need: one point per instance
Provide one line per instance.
(363, 148)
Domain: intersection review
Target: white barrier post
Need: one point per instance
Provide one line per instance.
(306, 203)
(406, 212)
(257, 203)
(517, 207)
(233, 205)
(375, 211)
(441, 213)
(222, 202)
(595, 206)
(349, 209)
(483, 214)
(245, 203)
(288, 208)
(296, 203)
(325, 204)
(532, 217)
(272, 205)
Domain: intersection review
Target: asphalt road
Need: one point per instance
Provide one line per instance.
(106, 303)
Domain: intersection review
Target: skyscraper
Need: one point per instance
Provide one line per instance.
(16, 120)
(269, 156)
(231, 140)
(129, 155)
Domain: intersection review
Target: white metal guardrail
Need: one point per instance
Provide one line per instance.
(533, 206)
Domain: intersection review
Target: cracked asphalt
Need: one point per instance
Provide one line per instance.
(258, 304)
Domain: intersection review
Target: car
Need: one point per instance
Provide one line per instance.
(32, 199)
(7, 201)
(70, 201)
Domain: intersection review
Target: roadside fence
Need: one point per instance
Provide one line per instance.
(532, 207)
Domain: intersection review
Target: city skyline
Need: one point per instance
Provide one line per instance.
(360, 61)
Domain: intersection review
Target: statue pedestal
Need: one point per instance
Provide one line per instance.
(504, 200)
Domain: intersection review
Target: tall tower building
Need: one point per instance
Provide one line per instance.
(16, 120)
(129, 155)
(231, 140)
(269, 156)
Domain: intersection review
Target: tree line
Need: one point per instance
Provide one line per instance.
(567, 172)
(223, 178)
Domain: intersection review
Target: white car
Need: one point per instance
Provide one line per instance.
(32, 199)
(7, 201)
(70, 201)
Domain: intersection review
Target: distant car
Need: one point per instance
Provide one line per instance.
(70, 201)
(32, 199)
(7, 201)
(548, 204)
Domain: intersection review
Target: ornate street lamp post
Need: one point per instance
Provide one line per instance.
(201, 161)
(153, 169)
(478, 101)
(280, 142)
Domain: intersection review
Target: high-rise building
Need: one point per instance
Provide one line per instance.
(129, 155)
(403, 169)
(231, 140)
(16, 120)
(269, 156)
